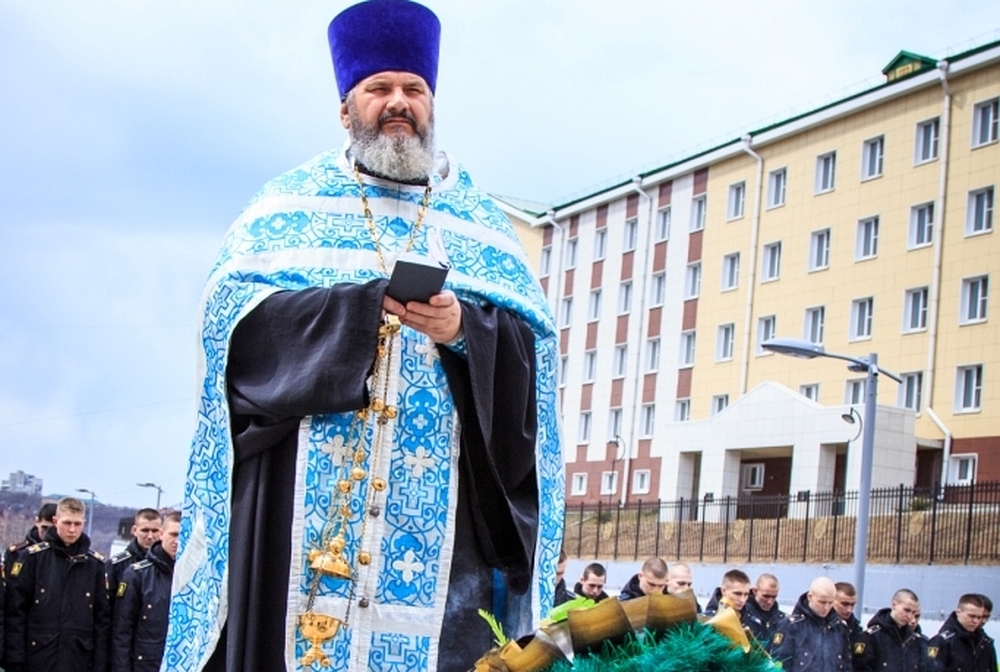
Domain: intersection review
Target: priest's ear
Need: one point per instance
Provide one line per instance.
(345, 117)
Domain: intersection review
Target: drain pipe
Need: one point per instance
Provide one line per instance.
(934, 295)
(752, 279)
(627, 466)
(550, 217)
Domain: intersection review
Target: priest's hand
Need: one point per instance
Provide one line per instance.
(440, 318)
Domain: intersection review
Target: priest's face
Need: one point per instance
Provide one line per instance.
(390, 116)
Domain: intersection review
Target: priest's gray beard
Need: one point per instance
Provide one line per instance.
(400, 157)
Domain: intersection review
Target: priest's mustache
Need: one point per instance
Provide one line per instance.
(404, 115)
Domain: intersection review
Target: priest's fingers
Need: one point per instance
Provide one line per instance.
(391, 305)
(441, 319)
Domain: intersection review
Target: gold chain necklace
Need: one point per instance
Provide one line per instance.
(370, 221)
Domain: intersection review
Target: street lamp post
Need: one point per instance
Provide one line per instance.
(808, 350)
(90, 517)
(159, 491)
(619, 450)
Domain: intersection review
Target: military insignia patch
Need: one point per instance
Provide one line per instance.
(859, 648)
(932, 651)
(121, 588)
(777, 638)
(16, 569)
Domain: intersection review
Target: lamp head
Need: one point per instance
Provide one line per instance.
(794, 347)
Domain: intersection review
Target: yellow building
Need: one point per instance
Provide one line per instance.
(866, 226)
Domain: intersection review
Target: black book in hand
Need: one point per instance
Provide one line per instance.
(416, 278)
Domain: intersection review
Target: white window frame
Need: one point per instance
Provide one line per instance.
(688, 342)
(862, 318)
(872, 158)
(753, 476)
(770, 269)
(692, 280)
(594, 305)
(737, 200)
(614, 423)
(867, 241)
(648, 421)
(584, 427)
(653, 355)
(925, 146)
(819, 250)
(682, 410)
(969, 388)
(663, 216)
(545, 262)
(578, 484)
(815, 324)
(699, 211)
(640, 481)
(767, 328)
(911, 390)
(600, 244)
(810, 391)
(589, 366)
(725, 343)
(630, 234)
(777, 186)
(731, 271)
(566, 312)
(570, 253)
(657, 289)
(975, 299)
(609, 482)
(720, 402)
(826, 173)
(620, 362)
(979, 216)
(854, 391)
(625, 297)
(968, 461)
(563, 368)
(921, 225)
(915, 304)
(984, 122)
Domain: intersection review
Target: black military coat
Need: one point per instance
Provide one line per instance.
(886, 646)
(806, 642)
(955, 649)
(141, 613)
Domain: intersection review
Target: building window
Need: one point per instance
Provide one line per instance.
(910, 390)
(682, 410)
(719, 403)
(826, 170)
(819, 250)
(609, 482)
(579, 485)
(753, 476)
(737, 196)
(687, 348)
(776, 183)
(583, 433)
(984, 129)
(625, 297)
(963, 469)
(969, 388)
(640, 482)
(648, 419)
(980, 214)
(614, 423)
(594, 306)
(861, 318)
(975, 295)
(571, 245)
(692, 281)
(652, 355)
(631, 231)
(921, 225)
(915, 310)
(620, 361)
(698, 208)
(657, 289)
(771, 268)
(724, 342)
(600, 244)
(663, 224)
(730, 271)
(872, 156)
(815, 322)
(567, 311)
(855, 392)
(589, 366)
(810, 391)
(926, 146)
(867, 245)
(563, 362)
(545, 262)
(766, 330)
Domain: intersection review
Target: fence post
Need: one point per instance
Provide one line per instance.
(777, 530)
(704, 515)
(638, 525)
(725, 537)
(934, 503)
(750, 540)
(833, 540)
(597, 539)
(805, 528)
(618, 528)
(968, 524)
(659, 515)
(680, 527)
(899, 523)
(579, 534)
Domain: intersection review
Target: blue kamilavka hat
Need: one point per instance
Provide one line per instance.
(379, 35)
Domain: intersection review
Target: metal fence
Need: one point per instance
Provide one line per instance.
(954, 524)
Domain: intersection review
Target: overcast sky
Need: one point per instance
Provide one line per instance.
(132, 133)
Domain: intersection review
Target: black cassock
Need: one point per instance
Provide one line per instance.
(309, 352)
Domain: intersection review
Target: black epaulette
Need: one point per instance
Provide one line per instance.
(946, 634)
(120, 557)
(36, 548)
(795, 618)
(872, 629)
(142, 564)
(17, 548)
(91, 552)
